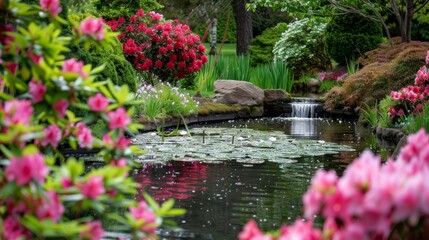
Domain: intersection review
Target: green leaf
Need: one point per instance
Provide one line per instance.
(152, 203)
(105, 92)
(30, 149)
(175, 212)
(6, 151)
(75, 167)
(7, 190)
(166, 206)
(98, 69)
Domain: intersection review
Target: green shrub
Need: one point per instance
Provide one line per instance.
(349, 36)
(301, 46)
(118, 69)
(261, 49)
(122, 8)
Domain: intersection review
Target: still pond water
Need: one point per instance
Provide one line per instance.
(221, 197)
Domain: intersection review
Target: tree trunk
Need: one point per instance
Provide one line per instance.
(408, 20)
(244, 27)
(212, 36)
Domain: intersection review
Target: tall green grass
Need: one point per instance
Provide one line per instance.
(204, 81)
(418, 121)
(370, 114)
(272, 76)
(267, 76)
(233, 67)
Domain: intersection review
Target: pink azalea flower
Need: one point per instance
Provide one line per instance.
(26, 168)
(37, 90)
(250, 231)
(118, 119)
(36, 59)
(52, 136)
(119, 163)
(51, 207)
(61, 107)
(17, 111)
(300, 230)
(66, 182)
(93, 188)
(51, 6)
(93, 27)
(94, 231)
(13, 229)
(143, 212)
(84, 136)
(427, 58)
(98, 103)
(73, 66)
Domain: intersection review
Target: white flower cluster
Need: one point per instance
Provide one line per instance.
(299, 42)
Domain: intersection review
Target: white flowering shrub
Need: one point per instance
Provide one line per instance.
(301, 46)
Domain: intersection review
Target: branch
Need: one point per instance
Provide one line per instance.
(421, 6)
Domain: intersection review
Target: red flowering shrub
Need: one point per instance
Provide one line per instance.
(166, 49)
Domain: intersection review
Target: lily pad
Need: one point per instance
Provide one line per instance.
(244, 145)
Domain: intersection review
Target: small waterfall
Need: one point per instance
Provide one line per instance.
(304, 107)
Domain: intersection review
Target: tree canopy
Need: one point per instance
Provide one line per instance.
(402, 10)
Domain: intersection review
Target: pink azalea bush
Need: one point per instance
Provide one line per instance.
(167, 49)
(411, 99)
(372, 200)
(43, 194)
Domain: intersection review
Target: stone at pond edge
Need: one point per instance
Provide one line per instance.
(389, 134)
(276, 95)
(313, 85)
(401, 143)
(238, 92)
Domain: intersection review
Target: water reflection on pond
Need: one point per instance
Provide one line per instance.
(221, 197)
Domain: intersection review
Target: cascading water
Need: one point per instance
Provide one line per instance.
(304, 107)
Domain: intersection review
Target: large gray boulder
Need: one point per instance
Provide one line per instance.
(238, 92)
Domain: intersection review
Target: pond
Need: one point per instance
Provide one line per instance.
(220, 196)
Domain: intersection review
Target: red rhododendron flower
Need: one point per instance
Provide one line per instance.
(162, 42)
(158, 63)
(130, 47)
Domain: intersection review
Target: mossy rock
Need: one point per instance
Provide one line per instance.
(207, 108)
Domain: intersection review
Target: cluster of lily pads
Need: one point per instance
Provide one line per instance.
(247, 146)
